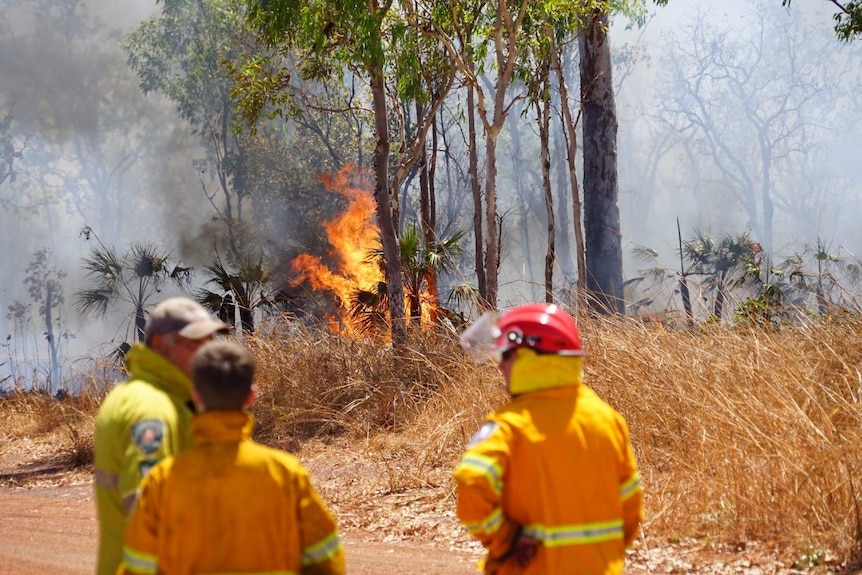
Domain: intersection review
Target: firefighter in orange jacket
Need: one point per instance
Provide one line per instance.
(549, 483)
(228, 504)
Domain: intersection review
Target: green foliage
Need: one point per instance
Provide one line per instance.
(133, 277)
(420, 263)
(251, 286)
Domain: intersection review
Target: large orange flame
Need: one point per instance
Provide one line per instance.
(352, 235)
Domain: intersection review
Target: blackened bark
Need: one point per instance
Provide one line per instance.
(604, 281)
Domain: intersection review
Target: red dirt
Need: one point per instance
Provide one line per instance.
(52, 529)
(48, 525)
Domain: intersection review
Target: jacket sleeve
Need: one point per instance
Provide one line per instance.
(140, 542)
(322, 550)
(480, 478)
(149, 435)
(631, 491)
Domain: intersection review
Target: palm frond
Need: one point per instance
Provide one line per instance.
(95, 301)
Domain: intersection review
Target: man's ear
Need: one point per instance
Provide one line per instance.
(251, 395)
(196, 397)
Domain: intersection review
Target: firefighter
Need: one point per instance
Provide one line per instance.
(549, 483)
(228, 504)
(146, 418)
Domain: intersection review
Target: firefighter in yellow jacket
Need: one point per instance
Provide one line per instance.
(549, 483)
(146, 418)
(228, 504)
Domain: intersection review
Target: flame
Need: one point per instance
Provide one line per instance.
(352, 234)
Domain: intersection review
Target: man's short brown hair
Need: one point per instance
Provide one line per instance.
(223, 372)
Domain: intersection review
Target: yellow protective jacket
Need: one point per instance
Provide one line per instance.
(230, 505)
(140, 422)
(557, 465)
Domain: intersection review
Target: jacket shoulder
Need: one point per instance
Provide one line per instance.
(135, 399)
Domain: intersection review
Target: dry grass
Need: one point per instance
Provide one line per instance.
(741, 435)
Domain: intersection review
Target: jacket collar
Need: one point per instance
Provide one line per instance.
(144, 363)
(222, 426)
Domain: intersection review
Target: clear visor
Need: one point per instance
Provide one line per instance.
(480, 339)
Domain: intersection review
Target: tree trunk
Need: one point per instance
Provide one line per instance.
(543, 108)
(570, 133)
(427, 212)
(562, 179)
(522, 232)
(246, 317)
(54, 383)
(481, 281)
(140, 321)
(385, 216)
(604, 281)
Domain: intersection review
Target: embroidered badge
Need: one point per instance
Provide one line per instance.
(484, 433)
(148, 435)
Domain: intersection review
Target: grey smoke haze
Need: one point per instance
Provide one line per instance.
(97, 153)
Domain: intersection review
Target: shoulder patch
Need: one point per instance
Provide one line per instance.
(148, 435)
(484, 432)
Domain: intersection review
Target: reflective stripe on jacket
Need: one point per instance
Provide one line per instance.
(557, 465)
(230, 505)
(140, 422)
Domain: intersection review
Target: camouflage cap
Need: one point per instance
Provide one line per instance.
(184, 316)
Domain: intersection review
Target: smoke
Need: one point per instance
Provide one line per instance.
(87, 150)
(90, 150)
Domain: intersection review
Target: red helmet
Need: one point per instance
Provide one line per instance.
(540, 326)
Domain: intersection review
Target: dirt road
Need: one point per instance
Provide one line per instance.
(53, 530)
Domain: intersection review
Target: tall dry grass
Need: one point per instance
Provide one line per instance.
(741, 434)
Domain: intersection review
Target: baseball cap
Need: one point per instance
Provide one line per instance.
(184, 316)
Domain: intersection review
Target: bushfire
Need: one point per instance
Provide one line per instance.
(352, 235)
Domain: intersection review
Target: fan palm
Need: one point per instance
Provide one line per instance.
(421, 263)
(132, 278)
(248, 288)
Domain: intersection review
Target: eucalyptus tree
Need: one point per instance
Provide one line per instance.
(782, 96)
(602, 237)
(180, 53)
(77, 106)
(44, 282)
(366, 38)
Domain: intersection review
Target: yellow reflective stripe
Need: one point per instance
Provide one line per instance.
(485, 466)
(630, 487)
(324, 549)
(488, 525)
(562, 535)
(138, 562)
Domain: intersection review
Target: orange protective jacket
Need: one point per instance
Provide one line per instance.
(230, 505)
(557, 466)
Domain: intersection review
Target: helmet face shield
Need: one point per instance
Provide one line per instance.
(544, 328)
(480, 339)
